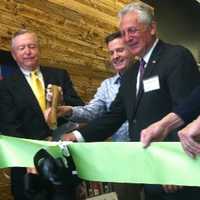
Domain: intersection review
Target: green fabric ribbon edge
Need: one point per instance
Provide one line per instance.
(125, 162)
(129, 162)
(19, 152)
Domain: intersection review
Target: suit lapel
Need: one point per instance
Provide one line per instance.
(21, 85)
(45, 75)
(154, 59)
(131, 86)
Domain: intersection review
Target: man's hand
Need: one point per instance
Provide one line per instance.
(46, 114)
(190, 138)
(171, 188)
(49, 94)
(61, 111)
(155, 132)
(159, 130)
(31, 170)
(69, 137)
(64, 111)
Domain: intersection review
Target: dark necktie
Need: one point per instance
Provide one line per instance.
(141, 69)
(118, 80)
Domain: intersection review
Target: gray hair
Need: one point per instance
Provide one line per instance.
(21, 32)
(146, 12)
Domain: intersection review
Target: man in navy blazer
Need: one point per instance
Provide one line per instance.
(170, 74)
(21, 114)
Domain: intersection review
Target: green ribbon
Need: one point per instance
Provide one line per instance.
(18, 152)
(128, 162)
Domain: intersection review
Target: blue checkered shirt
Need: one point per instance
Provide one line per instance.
(101, 102)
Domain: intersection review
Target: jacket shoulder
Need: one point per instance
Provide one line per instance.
(53, 69)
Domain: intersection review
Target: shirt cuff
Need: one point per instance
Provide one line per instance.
(78, 136)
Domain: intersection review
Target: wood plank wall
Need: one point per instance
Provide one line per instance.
(72, 37)
(71, 32)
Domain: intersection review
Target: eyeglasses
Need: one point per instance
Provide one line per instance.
(131, 31)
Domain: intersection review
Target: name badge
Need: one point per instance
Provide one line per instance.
(151, 84)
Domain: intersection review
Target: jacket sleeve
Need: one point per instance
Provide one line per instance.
(8, 117)
(106, 125)
(190, 108)
(94, 109)
(183, 76)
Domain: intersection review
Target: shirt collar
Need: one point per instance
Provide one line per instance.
(117, 79)
(148, 54)
(27, 73)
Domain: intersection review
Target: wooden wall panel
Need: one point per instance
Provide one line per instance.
(71, 33)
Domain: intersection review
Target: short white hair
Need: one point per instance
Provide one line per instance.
(145, 12)
(22, 32)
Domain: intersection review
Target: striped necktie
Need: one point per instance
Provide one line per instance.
(38, 89)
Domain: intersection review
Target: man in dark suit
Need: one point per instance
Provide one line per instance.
(21, 108)
(164, 75)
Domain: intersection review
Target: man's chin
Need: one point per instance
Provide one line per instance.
(135, 51)
(119, 68)
(30, 66)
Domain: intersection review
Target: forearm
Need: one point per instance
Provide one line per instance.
(86, 113)
(101, 128)
(171, 122)
(159, 130)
